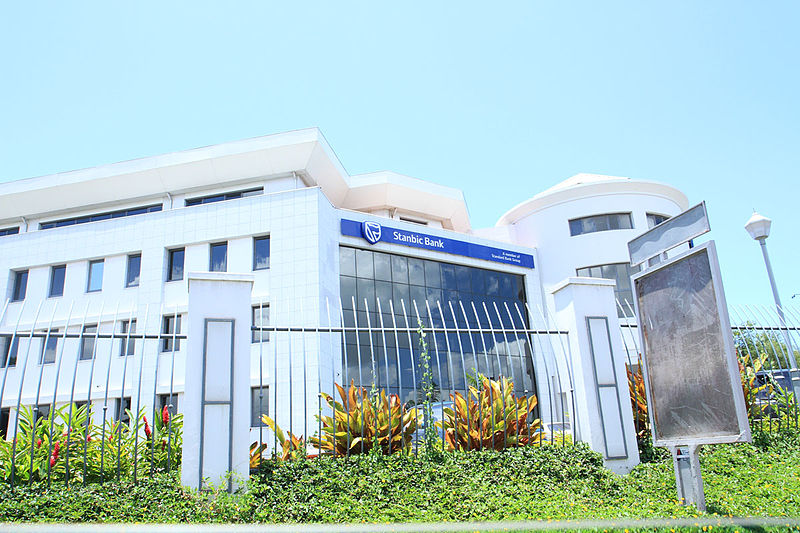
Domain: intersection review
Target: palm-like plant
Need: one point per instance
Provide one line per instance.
(360, 422)
(491, 418)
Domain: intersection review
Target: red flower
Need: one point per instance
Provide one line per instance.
(147, 428)
(165, 415)
(54, 457)
(163, 443)
(88, 438)
(38, 443)
(111, 438)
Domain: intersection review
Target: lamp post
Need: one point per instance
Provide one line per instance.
(758, 227)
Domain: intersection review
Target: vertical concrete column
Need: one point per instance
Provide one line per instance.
(216, 405)
(587, 309)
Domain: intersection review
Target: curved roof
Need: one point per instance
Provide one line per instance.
(588, 185)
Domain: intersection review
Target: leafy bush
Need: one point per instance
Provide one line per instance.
(534, 482)
(490, 418)
(61, 447)
(360, 423)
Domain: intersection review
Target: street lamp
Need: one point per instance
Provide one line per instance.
(758, 227)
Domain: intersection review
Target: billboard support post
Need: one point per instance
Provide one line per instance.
(691, 374)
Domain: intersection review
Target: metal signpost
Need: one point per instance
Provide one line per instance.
(691, 374)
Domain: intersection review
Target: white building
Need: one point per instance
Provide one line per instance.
(114, 244)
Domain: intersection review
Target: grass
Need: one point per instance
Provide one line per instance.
(541, 483)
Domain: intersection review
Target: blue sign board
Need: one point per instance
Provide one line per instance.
(373, 232)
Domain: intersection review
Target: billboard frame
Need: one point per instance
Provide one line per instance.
(743, 435)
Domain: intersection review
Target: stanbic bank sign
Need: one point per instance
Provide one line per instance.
(373, 232)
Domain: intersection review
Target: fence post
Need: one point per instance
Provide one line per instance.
(216, 407)
(587, 309)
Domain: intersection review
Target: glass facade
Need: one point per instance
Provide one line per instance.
(441, 295)
(621, 273)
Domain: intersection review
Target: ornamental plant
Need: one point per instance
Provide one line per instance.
(292, 446)
(359, 425)
(63, 447)
(491, 417)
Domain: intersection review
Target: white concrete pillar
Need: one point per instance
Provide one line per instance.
(216, 402)
(604, 419)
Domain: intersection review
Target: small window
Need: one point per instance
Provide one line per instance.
(260, 320)
(95, 282)
(9, 231)
(259, 405)
(9, 349)
(171, 325)
(20, 285)
(42, 411)
(175, 266)
(414, 221)
(591, 224)
(260, 253)
(133, 271)
(168, 400)
(218, 257)
(127, 346)
(87, 342)
(57, 275)
(49, 348)
(654, 219)
(5, 415)
(220, 197)
(121, 408)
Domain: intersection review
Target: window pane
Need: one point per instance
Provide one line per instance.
(168, 401)
(364, 267)
(128, 346)
(171, 325)
(95, 276)
(134, 269)
(9, 350)
(20, 285)
(120, 407)
(605, 222)
(218, 258)
(383, 267)
(260, 319)
(175, 271)
(259, 397)
(57, 274)
(87, 342)
(347, 262)
(260, 253)
(49, 348)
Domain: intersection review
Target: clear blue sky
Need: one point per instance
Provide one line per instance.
(501, 100)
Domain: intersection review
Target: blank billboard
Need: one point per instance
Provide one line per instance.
(688, 355)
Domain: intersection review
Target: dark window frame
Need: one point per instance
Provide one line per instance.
(167, 327)
(133, 282)
(653, 217)
(10, 350)
(224, 196)
(53, 337)
(171, 263)
(89, 274)
(255, 418)
(97, 217)
(261, 239)
(87, 342)
(9, 231)
(211, 247)
(50, 291)
(262, 335)
(19, 288)
(576, 225)
(131, 342)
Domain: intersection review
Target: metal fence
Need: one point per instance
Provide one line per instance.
(767, 347)
(406, 375)
(93, 395)
(77, 388)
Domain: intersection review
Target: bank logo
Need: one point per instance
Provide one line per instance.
(371, 231)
